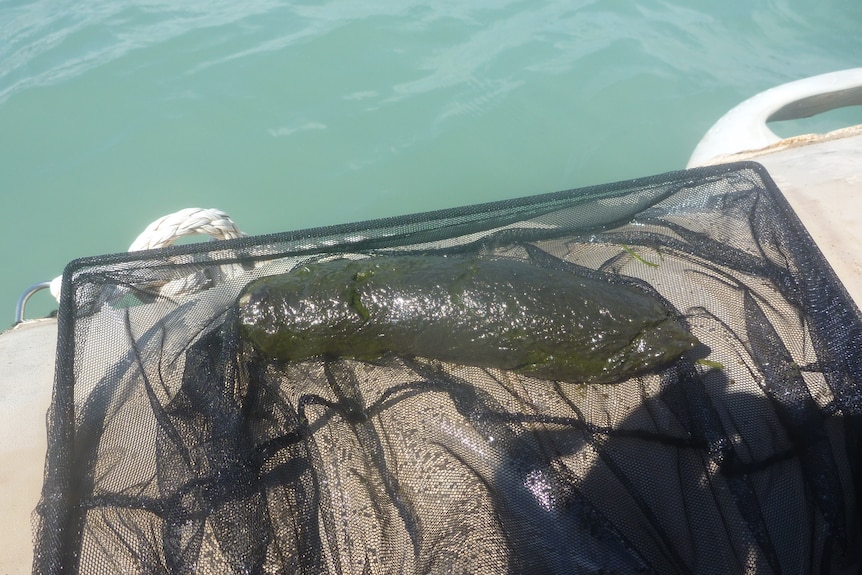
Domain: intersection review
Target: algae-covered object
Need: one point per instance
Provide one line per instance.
(505, 314)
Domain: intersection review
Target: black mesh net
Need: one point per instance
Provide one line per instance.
(179, 443)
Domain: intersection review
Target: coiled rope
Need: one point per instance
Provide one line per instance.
(190, 221)
(161, 233)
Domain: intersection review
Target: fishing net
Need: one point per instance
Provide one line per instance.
(177, 445)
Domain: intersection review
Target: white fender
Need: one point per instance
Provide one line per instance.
(744, 127)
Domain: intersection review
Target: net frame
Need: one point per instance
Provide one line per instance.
(825, 414)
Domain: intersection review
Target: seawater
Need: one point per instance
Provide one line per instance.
(297, 114)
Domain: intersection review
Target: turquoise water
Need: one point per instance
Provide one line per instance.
(297, 114)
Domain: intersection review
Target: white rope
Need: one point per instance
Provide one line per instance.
(166, 230)
(190, 221)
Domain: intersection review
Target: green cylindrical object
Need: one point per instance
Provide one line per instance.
(505, 314)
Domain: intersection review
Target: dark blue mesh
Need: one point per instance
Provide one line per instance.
(175, 447)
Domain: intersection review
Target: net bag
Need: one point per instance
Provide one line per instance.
(272, 404)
